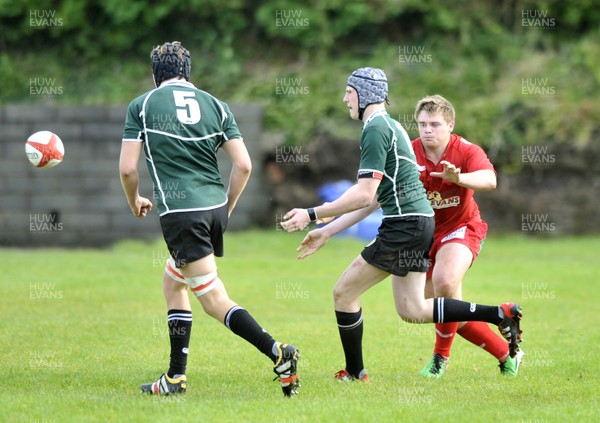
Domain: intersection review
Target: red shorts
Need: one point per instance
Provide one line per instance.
(472, 235)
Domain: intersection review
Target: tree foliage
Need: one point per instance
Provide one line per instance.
(482, 55)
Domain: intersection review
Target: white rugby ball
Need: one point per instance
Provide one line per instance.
(44, 149)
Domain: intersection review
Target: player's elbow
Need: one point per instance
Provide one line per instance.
(127, 170)
(243, 167)
(490, 184)
(486, 181)
(364, 199)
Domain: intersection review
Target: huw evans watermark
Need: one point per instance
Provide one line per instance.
(413, 54)
(44, 291)
(160, 257)
(45, 359)
(167, 123)
(538, 358)
(290, 291)
(413, 259)
(169, 191)
(45, 222)
(537, 18)
(414, 327)
(537, 291)
(537, 86)
(290, 87)
(291, 154)
(162, 327)
(44, 19)
(291, 19)
(537, 155)
(408, 123)
(45, 87)
(416, 395)
(537, 223)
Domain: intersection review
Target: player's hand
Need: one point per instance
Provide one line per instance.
(450, 173)
(295, 220)
(140, 207)
(311, 243)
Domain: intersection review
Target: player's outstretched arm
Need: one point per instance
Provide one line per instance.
(479, 180)
(240, 172)
(359, 196)
(315, 239)
(350, 219)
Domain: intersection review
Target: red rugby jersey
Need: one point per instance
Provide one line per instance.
(454, 205)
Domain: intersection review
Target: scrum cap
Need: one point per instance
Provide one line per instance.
(370, 85)
(169, 61)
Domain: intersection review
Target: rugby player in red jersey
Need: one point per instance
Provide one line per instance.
(452, 169)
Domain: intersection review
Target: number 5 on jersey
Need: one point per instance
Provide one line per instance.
(188, 109)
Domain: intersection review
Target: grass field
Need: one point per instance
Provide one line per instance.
(81, 329)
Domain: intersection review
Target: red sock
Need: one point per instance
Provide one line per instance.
(480, 334)
(444, 335)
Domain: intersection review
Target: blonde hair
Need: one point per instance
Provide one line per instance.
(433, 104)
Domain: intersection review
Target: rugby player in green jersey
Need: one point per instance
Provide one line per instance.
(180, 128)
(388, 177)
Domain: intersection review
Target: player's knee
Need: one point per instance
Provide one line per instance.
(210, 305)
(445, 286)
(404, 312)
(339, 294)
(429, 292)
(172, 286)
(414, 312)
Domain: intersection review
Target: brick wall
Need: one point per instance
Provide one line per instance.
(81, 202)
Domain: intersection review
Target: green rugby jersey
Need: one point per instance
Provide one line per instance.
(386, 154)
(182, 128)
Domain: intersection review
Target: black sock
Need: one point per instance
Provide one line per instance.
(180, 329)
(450, 310)
(240, 322)
(350, 326)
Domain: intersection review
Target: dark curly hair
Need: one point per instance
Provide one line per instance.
(169, 61)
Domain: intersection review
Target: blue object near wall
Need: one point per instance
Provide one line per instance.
(366, 229)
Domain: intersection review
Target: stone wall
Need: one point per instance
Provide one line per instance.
(553, 193)
(542, 191)
(81, 202)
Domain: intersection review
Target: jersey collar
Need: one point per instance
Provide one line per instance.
(181, 82)
(381, 112)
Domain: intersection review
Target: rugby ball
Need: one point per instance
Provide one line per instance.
(44, 149)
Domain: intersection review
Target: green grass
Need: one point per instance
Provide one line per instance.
(81, 329)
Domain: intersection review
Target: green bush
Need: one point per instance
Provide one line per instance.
(479, 55)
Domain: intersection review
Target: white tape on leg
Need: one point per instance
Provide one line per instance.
(200, 285)
(173, 271)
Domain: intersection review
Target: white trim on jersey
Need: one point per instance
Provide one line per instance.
(385, 216)
(154, 131)
(394, 178)
(370, 170)
(177, 82)
(194, 209)
(374, 115)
